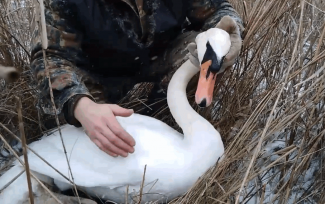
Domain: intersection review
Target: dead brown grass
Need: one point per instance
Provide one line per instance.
(14, 51)
(269, 108)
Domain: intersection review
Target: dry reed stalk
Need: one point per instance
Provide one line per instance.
(259, 145)
(142, 183)
(263, 194)
(57, 120)
(23, 139)
(127, 194)
(44, 47)
(253, 71)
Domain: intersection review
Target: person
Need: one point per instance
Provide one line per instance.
(99, 49)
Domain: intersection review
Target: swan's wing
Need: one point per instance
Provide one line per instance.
(92, 167)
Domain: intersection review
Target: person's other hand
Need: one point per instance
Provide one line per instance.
(100, 124)
(193, 55)
(230, 26)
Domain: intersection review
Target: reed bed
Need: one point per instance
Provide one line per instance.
(15, 35)
(269, 107)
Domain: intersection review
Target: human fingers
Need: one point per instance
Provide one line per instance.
(193, 55)
(100, 146)
(114, 137)
(227, 24)
(102, 134)
(119, 111)
(233, 53)
(117, 129)
(108, 146)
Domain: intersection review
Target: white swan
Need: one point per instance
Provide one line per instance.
(174, 161)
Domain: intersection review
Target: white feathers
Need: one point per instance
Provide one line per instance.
(218, 39)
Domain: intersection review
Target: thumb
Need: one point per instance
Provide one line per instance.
(227, 24)
(119, 111)
(192, 48)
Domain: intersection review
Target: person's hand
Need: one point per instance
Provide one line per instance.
(230, 26)
(193, 55)
(100, 124)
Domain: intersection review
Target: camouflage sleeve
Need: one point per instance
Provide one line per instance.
(61, 56)
(205, 14)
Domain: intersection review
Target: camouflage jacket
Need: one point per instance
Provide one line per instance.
(102, 38)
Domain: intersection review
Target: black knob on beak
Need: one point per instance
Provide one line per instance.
(203, 103)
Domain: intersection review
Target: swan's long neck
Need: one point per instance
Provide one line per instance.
(177, 101)
(189, 120)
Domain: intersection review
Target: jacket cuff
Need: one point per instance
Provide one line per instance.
(68, 109)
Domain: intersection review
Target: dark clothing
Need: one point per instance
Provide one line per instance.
(113, 43)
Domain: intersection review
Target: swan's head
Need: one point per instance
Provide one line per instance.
(212, 47)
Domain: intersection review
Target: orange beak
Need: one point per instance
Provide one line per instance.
(204, 92)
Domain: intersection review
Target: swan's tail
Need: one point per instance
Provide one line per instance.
(14, 189)
(13, 186)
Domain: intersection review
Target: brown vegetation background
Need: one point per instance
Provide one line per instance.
(269, 108)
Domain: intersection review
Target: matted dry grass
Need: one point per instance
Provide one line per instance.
(14, 51)
(269, 108)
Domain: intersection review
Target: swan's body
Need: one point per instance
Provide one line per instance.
(174, 162)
